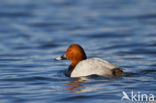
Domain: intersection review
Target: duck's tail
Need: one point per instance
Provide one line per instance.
(118, 72)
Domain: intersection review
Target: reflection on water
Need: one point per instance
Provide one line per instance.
(32, 33)
(76, 85)
(80, 88)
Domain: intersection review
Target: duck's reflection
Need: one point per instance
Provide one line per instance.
(76, 86)
(79, 85)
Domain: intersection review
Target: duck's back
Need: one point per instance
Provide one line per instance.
(95, 66)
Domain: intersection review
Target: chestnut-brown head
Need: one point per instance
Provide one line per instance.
(75, 54)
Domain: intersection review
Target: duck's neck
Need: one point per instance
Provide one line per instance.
(69, 71)
(76, 61)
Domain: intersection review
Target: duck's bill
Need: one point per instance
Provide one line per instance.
(63, 57)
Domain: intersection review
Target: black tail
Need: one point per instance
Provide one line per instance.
(117, 72)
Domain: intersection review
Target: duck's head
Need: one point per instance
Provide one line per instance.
(74, 53)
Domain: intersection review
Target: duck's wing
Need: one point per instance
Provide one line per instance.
(94, 66)
(116, 70)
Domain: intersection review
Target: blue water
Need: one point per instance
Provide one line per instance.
(34, 32)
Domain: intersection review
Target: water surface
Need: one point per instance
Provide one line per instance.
(33, 33)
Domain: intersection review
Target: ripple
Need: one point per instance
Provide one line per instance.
(25, 79)
(79, 97)
(48, 45)
(46, 24)
(105, 35)
(146, 16)
(138, 51)
(10, 59)
(118, 46)
(15, 14)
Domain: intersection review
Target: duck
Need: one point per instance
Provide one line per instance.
(81, 66)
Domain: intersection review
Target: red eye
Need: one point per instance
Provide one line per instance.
(69, 50)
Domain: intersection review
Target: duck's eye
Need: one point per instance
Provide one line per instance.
(71, 55)
(69, 50)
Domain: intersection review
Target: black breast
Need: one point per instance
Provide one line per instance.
(69, 71)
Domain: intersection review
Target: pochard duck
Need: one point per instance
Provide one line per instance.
(81, 66)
